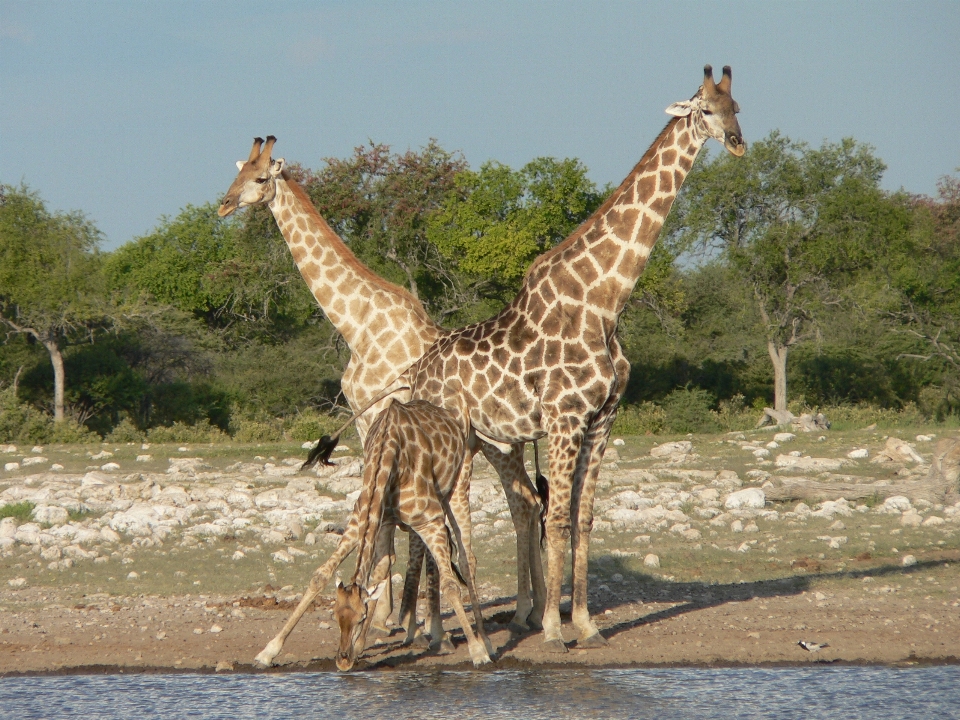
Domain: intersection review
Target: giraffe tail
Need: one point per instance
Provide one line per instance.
(321, 453)
(543, 490)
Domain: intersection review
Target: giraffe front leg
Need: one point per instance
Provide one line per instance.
(440, 642)
(585, 486)
(435, 536)
(564, 446)
(380, 623)
(319, 581)
(411, 590)
(524, 511)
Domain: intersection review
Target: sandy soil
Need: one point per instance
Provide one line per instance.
(743, 589)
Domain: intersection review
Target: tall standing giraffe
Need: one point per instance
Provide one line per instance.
(387, 330)
(550, 362)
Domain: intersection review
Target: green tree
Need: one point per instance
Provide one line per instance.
(495, 221)
(380, 202)
(51, 286)
(797, 226)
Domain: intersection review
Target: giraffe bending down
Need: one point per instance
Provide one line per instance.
(550, 362)
(412, 462)
(386, 329)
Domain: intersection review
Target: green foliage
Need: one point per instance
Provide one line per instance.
(311, 425)
(20, 422)
(125, 431)
(22, 511)
(200, 432)
(688, 410)
(497, 220)
(644, 419)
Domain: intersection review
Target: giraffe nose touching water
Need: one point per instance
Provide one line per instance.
(548, 365)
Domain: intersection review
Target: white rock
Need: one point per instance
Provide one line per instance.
(102, 455)
(908, 560)
(17, 582)
(50, 514)
(144, 458)
(310, 444)
(11, 466)
(933, 521)
(680, 447)
(110, 467)
(8, 449)
(858, 454)
(924, 438)
(736, 526)
(897, 503)
(56, 467)
(310, 539)
(187, 466)
(911, 519)
(761, 453)
(216, 629)
(795, 462)
(691, 534)
(772, 445)
(133, 575)
(109, 535)
(746, 498)
(35, 460)
(37, 449)
(619, 442)
(651, 561)
(282, 556)
(238, 555)
(8, 527)
(838, 525)
(744, 547)
(751, 528)
(783, 437)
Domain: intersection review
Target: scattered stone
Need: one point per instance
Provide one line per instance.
(282, 556)
(896, 504)
(679, 448)
(619, 442)
(908, 560)
(144, 458)
(897, 450)
(110, 467)
(11, 466)
(50, 514)
(56, 467)
(35, 460)
(310, 444)
(838, 525)
(17, 582)
(858, 453)
(911, 519)
(102, 455)
(8, 449)
(925, 438)
(746, 498)
(796, 462)
(651, 561)
(224, 666)
(784, 437)
(736, 526)
(133, 575)
(216, 629)
(932, 521)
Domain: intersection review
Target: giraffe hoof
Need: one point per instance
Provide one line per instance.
(444, 647)
(518, 628)
(590, 643)
(554, 646)
(379, 631)
(420, 641)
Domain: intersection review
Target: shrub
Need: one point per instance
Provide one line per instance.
(688, 410)
(201, 431)
(20, 422)
(125, 431)
(246, 430)
(645, 418)
(22, 511)
(310, 425)
(735, 415)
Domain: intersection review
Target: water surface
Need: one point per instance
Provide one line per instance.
(657, 694)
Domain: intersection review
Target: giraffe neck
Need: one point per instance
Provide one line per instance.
(341, 284)
(379, 459)
(601, 261)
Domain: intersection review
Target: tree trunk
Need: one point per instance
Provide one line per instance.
(58, 378)
(778, 356)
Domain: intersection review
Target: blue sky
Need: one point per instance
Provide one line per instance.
(131, 110)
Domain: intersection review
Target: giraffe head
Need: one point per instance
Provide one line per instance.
(256, 182)
(714, 111)
(353, 613)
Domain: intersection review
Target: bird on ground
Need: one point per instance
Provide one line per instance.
(812, 646)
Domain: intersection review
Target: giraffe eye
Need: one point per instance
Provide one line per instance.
(707, 112)
(261, 181)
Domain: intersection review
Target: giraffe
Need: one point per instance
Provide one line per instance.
(386, 329)
(412, 463)
(549, 364)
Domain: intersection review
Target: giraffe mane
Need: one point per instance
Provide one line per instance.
(350, 259)
(604, 208)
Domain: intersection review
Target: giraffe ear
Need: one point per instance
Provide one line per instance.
(339, 581)
(680, 109)
(276, 167)
(239, 164)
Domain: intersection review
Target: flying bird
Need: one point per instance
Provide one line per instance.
(812, 646)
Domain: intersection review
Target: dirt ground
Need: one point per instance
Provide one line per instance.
(709, 602)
